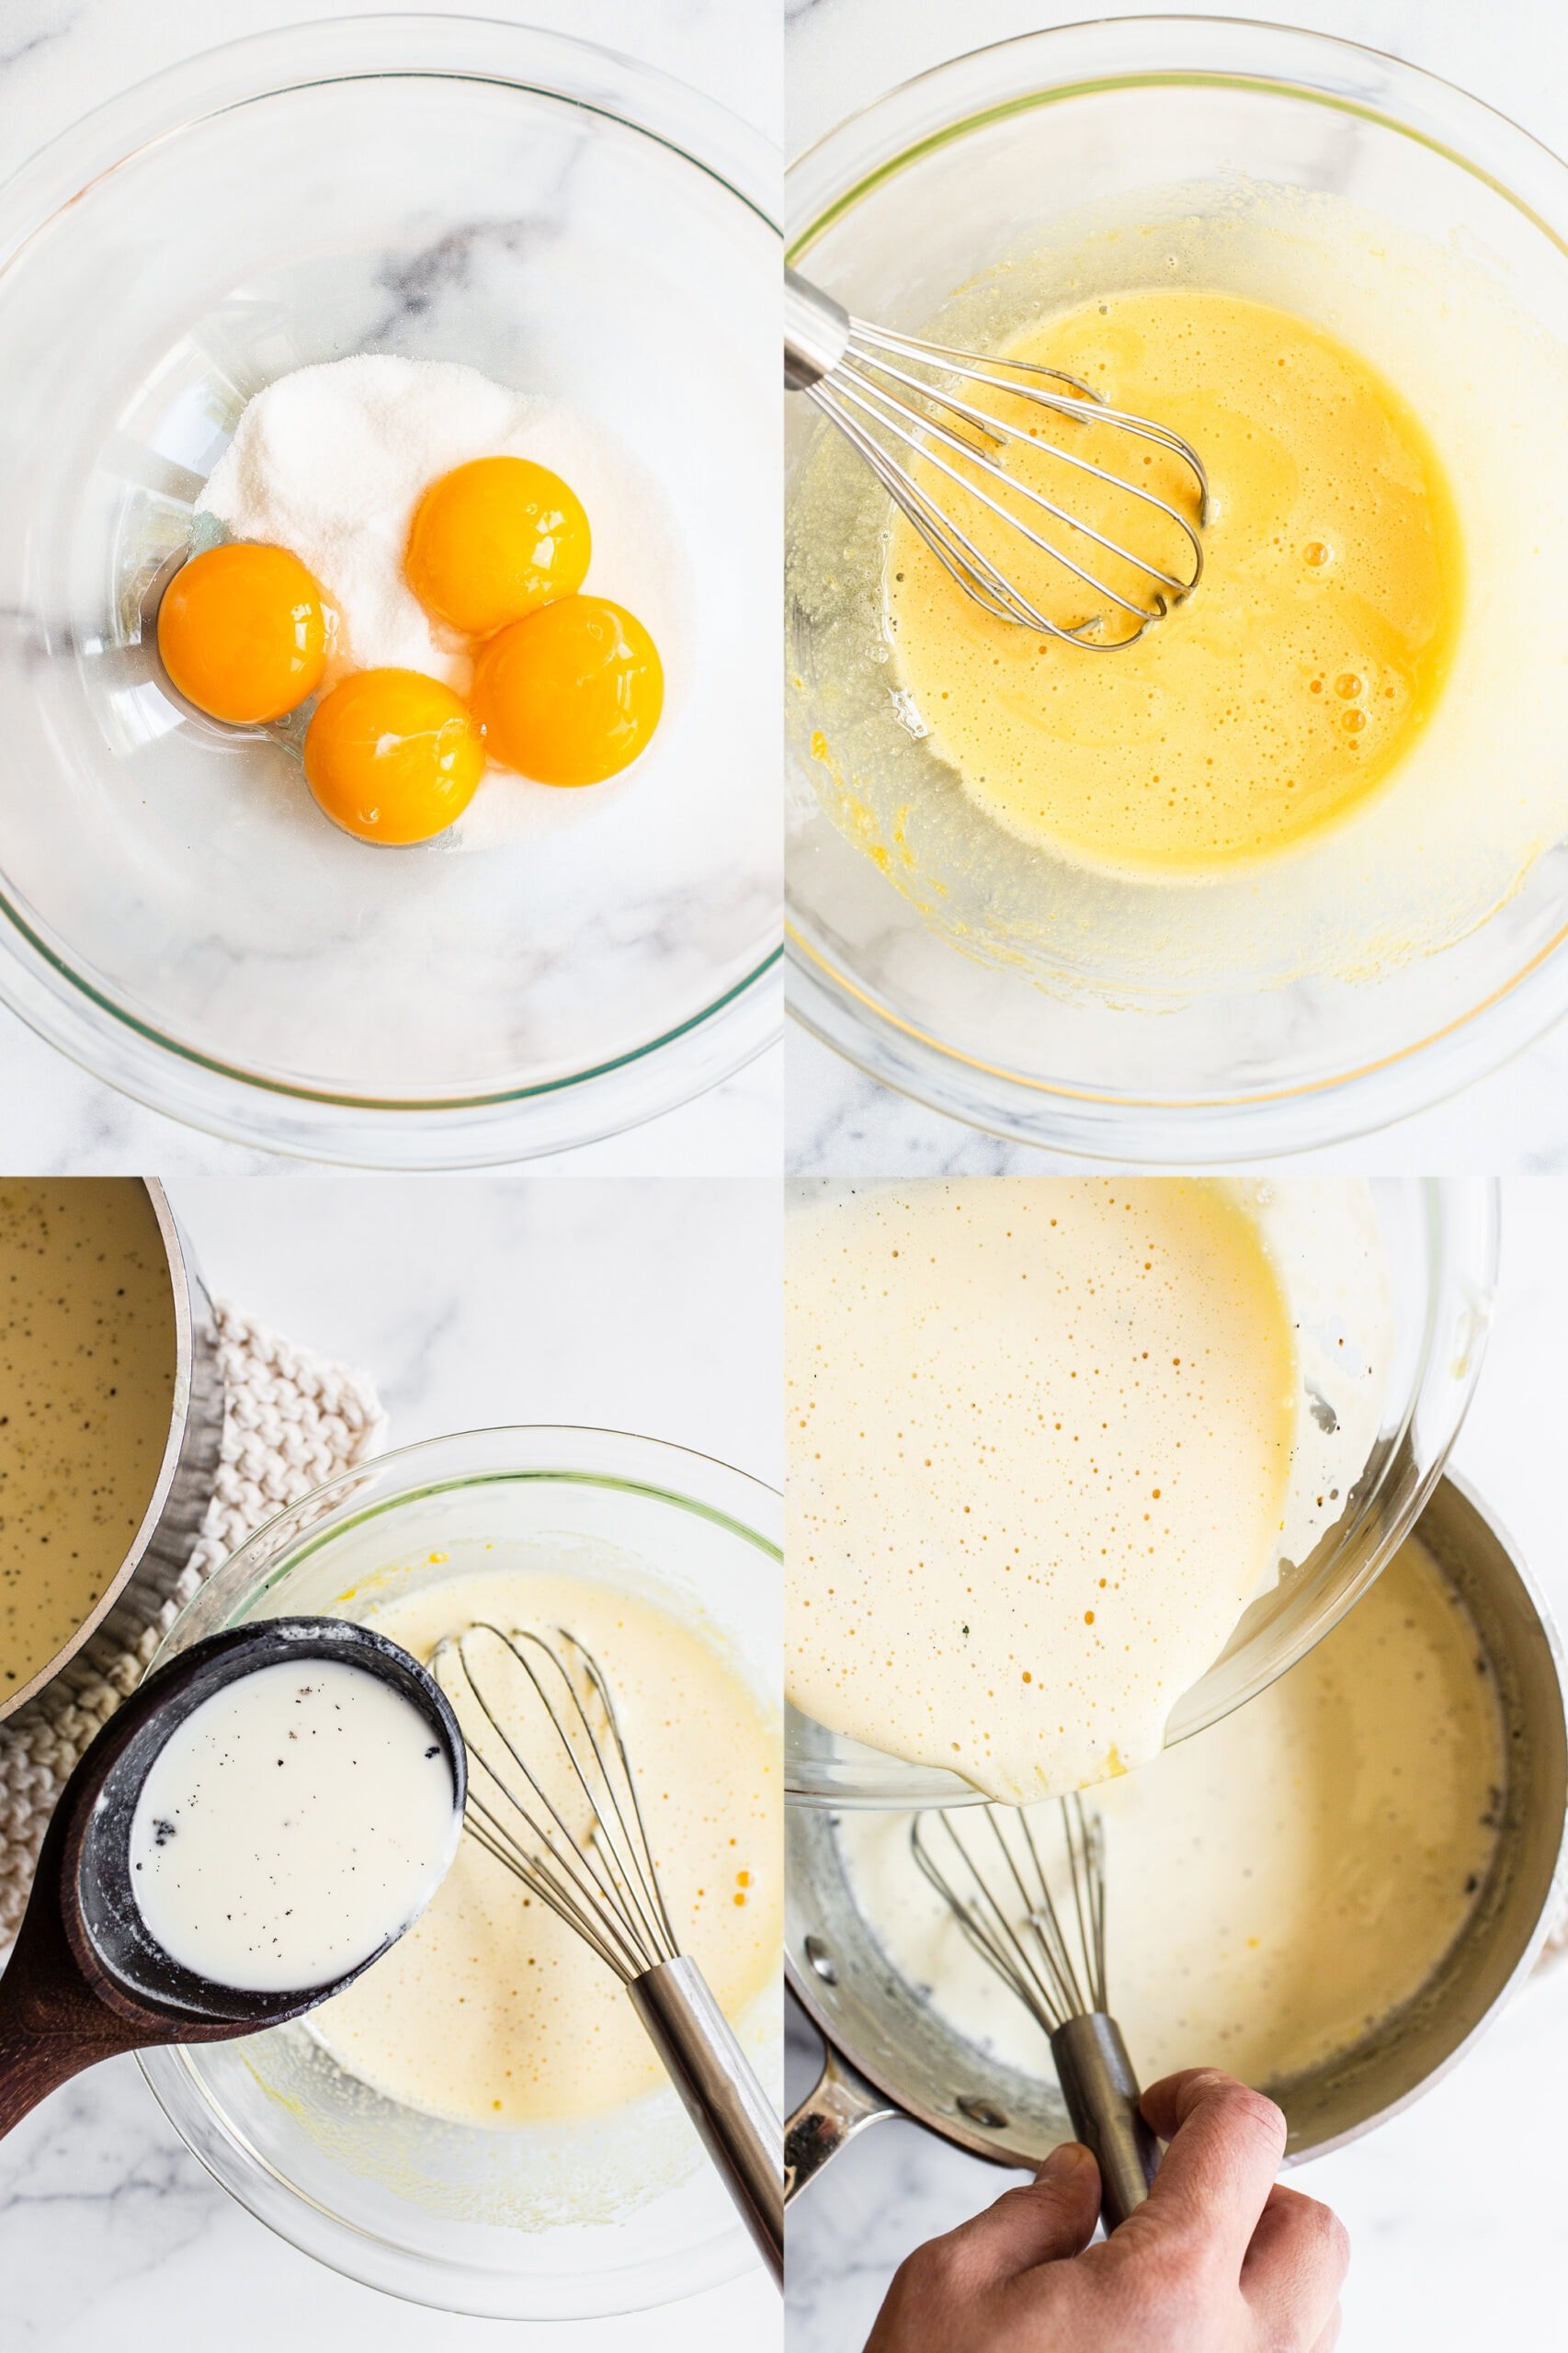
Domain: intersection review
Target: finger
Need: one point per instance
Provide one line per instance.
(1296, 2265)
(1225, 2146)
(1052, 2217)
(1329, 2337)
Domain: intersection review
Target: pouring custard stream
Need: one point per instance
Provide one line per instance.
(1040, 1435)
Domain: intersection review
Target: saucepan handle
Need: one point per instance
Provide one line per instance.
(840, 2104)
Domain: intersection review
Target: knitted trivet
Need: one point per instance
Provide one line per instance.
(290, 1420)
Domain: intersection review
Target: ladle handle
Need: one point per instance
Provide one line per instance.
(46, 2037)
(723, 2096)
(1101, 2092)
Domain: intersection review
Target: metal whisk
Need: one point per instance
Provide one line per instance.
(902, 401)
(552, 1797)
(1051, 1954)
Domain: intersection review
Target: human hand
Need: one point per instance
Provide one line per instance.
(1221, 2258)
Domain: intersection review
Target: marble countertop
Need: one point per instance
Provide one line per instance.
(1515, 55)
(58, 58)
(838, 1122)
(639, 1306)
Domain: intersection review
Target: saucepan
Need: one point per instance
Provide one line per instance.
(178, 1495)
(888, 2055)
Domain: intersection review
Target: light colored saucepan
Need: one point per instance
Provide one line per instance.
(172, 1520)
(888, 2055)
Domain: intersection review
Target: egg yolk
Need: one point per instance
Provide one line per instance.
(494, 541)
(571, 695)
(242, 632)
(392, 755)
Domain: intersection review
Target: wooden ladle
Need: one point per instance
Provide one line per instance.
(86, 1979)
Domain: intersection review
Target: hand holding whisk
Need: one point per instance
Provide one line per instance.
(552, 1797)
(1052, 1953)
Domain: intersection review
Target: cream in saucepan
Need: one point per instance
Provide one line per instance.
(87, 1391)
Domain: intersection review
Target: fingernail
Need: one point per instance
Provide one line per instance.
(1064, 2162)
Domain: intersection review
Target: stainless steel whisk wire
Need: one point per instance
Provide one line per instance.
(1027, 1942)
(618, 1910)
(1037, 1965)
(601, 1879)
(860, 377)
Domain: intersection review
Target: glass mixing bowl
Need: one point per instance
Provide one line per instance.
(1438, 1241)
(601, 2215)
(175, 913)
(922, 203)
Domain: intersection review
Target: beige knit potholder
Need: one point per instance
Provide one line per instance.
(290, 1420)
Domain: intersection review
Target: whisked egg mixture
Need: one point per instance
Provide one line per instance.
(490, 2010)
(1307, 660)
(1343, 752)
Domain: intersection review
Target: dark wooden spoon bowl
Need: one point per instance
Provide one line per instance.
(86, 1979)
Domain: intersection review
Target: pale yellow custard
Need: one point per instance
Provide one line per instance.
(490, 2010)
(1039, 1438)
(1277, 1885)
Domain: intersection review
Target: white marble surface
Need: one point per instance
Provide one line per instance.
(838, 1122)
(642, 1306)
(1454, 2209)
(57, 59)
(1514, 55)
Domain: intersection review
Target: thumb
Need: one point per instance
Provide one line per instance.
(1052, 2217)
(1066, 2198)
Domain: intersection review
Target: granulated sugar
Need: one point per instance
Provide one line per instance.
(331, 462)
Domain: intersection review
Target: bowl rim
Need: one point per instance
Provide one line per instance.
(470, 1129)
(892, 132)
(379, 2260)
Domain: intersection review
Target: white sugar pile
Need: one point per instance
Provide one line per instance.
(331, 461)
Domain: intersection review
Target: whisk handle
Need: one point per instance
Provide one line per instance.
(1101, 2092)
(724, 2098)
(816, 333)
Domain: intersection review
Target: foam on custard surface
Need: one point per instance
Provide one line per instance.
(1277, 1885)
(1267, 706)
(1041, 1442)
(490, 2010)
